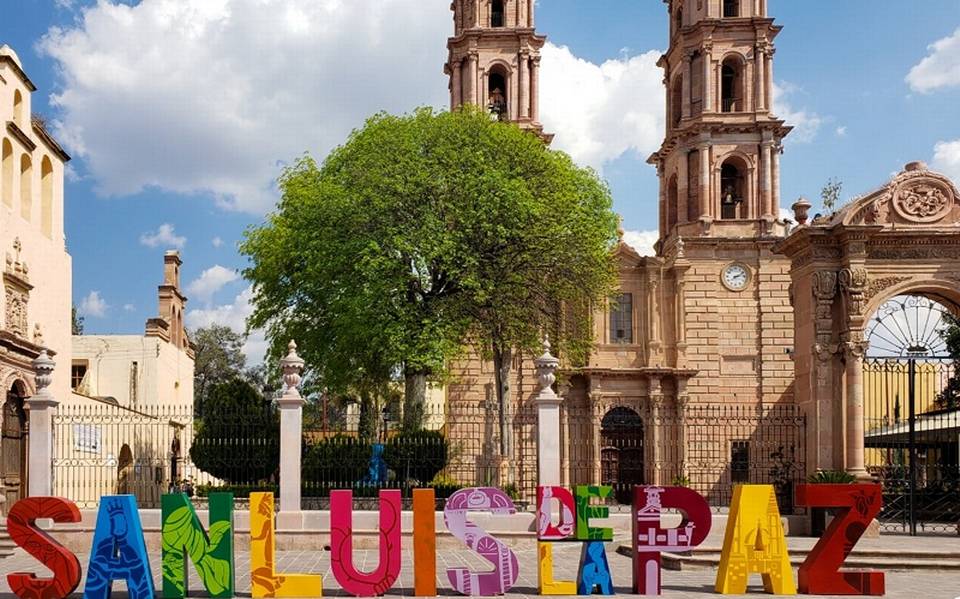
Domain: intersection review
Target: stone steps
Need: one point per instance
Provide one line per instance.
(6, 543)
(708, 558)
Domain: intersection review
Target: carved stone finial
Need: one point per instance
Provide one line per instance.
(43, 367)
(801, 210)
(620, 231)
(546, 366)
(680, 247)
(292, 367)
(916, 165)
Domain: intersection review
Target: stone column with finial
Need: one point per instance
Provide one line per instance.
(42, 406)
(291, 434)
(548, 418)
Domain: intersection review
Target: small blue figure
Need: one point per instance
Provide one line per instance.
(377, 473)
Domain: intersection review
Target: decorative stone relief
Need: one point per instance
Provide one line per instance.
(923, 202)
(853, 283)
(16, 280)
(878, 285)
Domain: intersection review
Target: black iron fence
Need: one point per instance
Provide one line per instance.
(104, 449)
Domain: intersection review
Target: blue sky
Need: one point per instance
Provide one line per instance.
(180, 113)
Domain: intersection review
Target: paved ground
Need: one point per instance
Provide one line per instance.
(913, 585)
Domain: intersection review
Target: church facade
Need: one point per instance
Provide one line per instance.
(702, 373)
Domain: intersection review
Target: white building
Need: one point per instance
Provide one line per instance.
(36, 268)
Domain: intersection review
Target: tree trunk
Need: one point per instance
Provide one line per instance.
(502, 357)
(367, 428)
(414, 400)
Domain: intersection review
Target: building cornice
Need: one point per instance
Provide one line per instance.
(4, 59)
(22, 137)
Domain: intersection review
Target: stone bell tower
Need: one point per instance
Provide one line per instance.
(719, 163)
(724, 299)
(494, 60)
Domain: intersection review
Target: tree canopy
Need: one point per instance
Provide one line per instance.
(218, 359)
(424, 232)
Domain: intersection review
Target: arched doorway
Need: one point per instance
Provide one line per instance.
(13, 446)
(621, 451)
(911, 396)
(125, 472)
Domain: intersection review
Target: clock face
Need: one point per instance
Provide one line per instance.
(736, 277)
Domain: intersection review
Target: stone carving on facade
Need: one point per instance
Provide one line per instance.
(922, 203)
(16, 282)
(916, 195)
(878, 285)
(824, 291)
(853, 283)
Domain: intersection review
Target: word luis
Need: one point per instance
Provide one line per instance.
(754, 542)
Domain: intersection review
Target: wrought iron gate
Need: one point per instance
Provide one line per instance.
(911, 417)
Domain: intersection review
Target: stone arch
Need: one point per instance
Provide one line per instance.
(46, 196)
(18, 108)
(733, 82)
(622, 450)
(673, 201)
(676, 100)
(734, 186)
(26, 187)
(125, 470)
(13, 442)
(498, 89)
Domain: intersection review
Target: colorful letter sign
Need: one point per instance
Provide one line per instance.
(64, 565)
(754, 543)
(183, 536)
(549, 586)
(594, 570)
(563, 530)
(650, 538)
(424, 543)
(119, 551)
(264, 580)
(587, 512)
(364, 584)
(505, 567)
(857, 505)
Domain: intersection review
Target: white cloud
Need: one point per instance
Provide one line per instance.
(642, 241)
(217, 242)
(164, 236)
(211, 96)
(129, 307)
(233, 315)
(211, 281)
(941, 68)
(805, 123)
(93, 305)
(946, 159)
(841, 131)
(600, 112)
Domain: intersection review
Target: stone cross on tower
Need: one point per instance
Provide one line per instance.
(494, 60)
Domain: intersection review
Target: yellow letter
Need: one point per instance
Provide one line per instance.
(264, 581)
(549, 586)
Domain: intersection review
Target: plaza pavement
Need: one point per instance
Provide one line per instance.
(697, 583)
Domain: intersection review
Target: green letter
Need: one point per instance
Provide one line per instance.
(585, 512)
(184, 535)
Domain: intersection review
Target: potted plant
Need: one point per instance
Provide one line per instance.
(818, 515)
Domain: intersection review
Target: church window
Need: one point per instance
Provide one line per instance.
(26, 191)
(676, 102)
(497, 94)
(731, 84)
(18, 107)
(693, 186)
(731, 8)
(740, 462)
(46, 197)
(6, 174)
(679, 21)
(731, 190)
(496, 13)
(78, 371)
(673, 200)
(621, 319)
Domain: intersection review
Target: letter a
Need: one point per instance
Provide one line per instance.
(118, 552)
(64, 564)
(364, 584)
(183, 535)
(264, 579)
(754, 543)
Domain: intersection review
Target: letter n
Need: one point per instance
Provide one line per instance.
(211, 553)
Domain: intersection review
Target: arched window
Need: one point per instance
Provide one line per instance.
(6, 174)
(497, 94)
(678, 21)
(18, 108)
(496, 13)
(26, 189)
(673, 199)
(693, 186)
(731, 8)
(676, 102)
(732, 189)
(46, 197)
(731, 86)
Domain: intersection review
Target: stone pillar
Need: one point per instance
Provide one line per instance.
(761, 79)
(766, 159)
(535, 89)
(682, 401)
(685, 86)
(457, 84)
(768, 71)
(854, 351)
(775, 180)
(654, 426)
(705, 207)
(470, 89)
(707, 79)
(523, 86)
(291, 436)
(548, 419)
(42, 407)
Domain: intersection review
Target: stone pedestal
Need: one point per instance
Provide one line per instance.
(548, 420)
(42, 406)
(291, 433)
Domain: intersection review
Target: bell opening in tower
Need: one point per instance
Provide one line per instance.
(731, 8)
(731, 190)
(497, 91)
(496, 13)
(730, 85)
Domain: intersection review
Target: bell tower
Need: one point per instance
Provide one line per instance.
(494, 60)
(719, 165)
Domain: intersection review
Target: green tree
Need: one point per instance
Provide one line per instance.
(949, 397)
(76, 322)
(239, 440)
(830, 194)
(218, 358)
(423, 232)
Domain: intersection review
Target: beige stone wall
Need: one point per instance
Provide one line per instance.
(36, 220)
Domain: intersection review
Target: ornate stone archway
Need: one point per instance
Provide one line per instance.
(903, 238)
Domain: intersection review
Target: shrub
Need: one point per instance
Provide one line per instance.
(830, 477)
(339, 460)
(416, 456)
